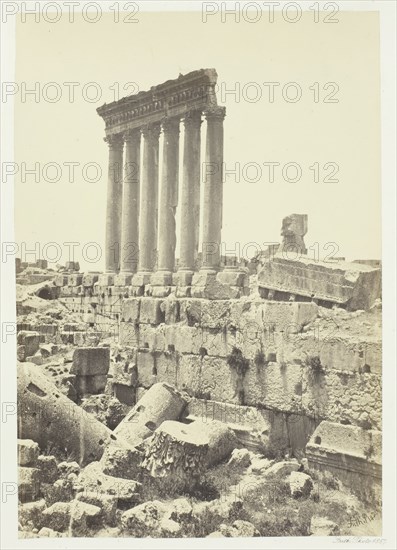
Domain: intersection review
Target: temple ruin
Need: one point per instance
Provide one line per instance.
(162, 369)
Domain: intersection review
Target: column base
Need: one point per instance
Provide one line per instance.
(161, 284)
(140, 284)
(123, 279)
(106, 279)
(183, 281)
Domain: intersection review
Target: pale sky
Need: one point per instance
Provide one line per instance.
(246, 57)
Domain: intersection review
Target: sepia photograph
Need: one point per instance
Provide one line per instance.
(198, 274)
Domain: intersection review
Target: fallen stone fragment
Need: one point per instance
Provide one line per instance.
(57, 516)
(92, 479)
(161, 402)
(239, 528)
(282, 469)
(47, 465)
(91, 361)
(144, 519)
(28, 452)
(259, 465)
(176, 454)
(226, 507)
(48, 417)
(28, 483)
(323, 527)
(300, 484)
(240, 458)
(31, 511)
(66, 468)
(168, 527)
(122, 461)
(221, 439)
(82, 515)
(106, 503)
(47, 350)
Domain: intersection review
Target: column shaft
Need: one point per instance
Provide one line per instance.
(149, 202)
(114, 203)
(213, 189)
(169, 196)
(190, 200)
(130, 215)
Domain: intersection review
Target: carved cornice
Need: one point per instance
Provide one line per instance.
(190, 92)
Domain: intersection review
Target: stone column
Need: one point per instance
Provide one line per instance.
(130, 210)
(161, 281)
(114, 205)
(149, 206)
(213, 189)
(190, 201)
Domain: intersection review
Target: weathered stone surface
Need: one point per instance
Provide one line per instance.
(293, 229)
(30, 511)
(282, 469)
(220, 438)
(239, 528)
(143, 519)
(240, 458)
(89, 385)
(47, 350)
(150, 311)
(91, 361)
(130, 310)
(57, 420)
(122, 461)
(161, 402)
(176, 454)
(92, 479)
(31, 341)
(81, 513)
(28, 483)
(106, 503)
(351, 453)
(323, 527)
(355, 286)
(47, 465)
(300, 484)
(47, 532)
(57, 516)
(28, 452)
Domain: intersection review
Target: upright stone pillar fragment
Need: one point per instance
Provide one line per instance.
(114, 206)
(190, 207)
(130, 210)
(149, 207)
(161, 281)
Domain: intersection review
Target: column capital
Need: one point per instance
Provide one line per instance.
(132, 135)
(215, 112)
(151, 132)
(114, 140)
(192, 118)
(171, 125)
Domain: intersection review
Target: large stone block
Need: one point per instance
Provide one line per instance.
(349, 452)
(28, 452)
(91, 361)
(28, 483)
(182, 338)
(31, 341)
(355, 286)
(129, 334)
(166, 365)
(189, 374)
(152, 337)
(146, 365)
(130, 310)
(151, 312)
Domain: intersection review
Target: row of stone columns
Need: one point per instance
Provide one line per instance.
(133, 240)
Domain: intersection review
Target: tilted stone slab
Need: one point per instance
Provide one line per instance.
(355, 286)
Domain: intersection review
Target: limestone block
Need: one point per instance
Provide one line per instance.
(349, 452)
(30, 511)
(124, 372)
(47, 532)
(183, 339)
(161, 402)
(92, 479)
(80, 514)
(214, 314)
(28, 452)
(129, 334)
(36, 359)
(28, 483)
(31, 341)
(91, 361)
(130, 310)
(47, 465)
(189, 374)
(75, 279)
(89, 279)
(152, 337)
(61, 279)
(106, 503)
(206, 285)
(300, 484)
(121, 461)
(282, 469)
(57, 420)
(355, 286)
(218, 380)
(170, 308)
(57, 516)
(47, 350)
(146, 365)
(143, 519)
(167, 367)
(150, 311)
(220, 438)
